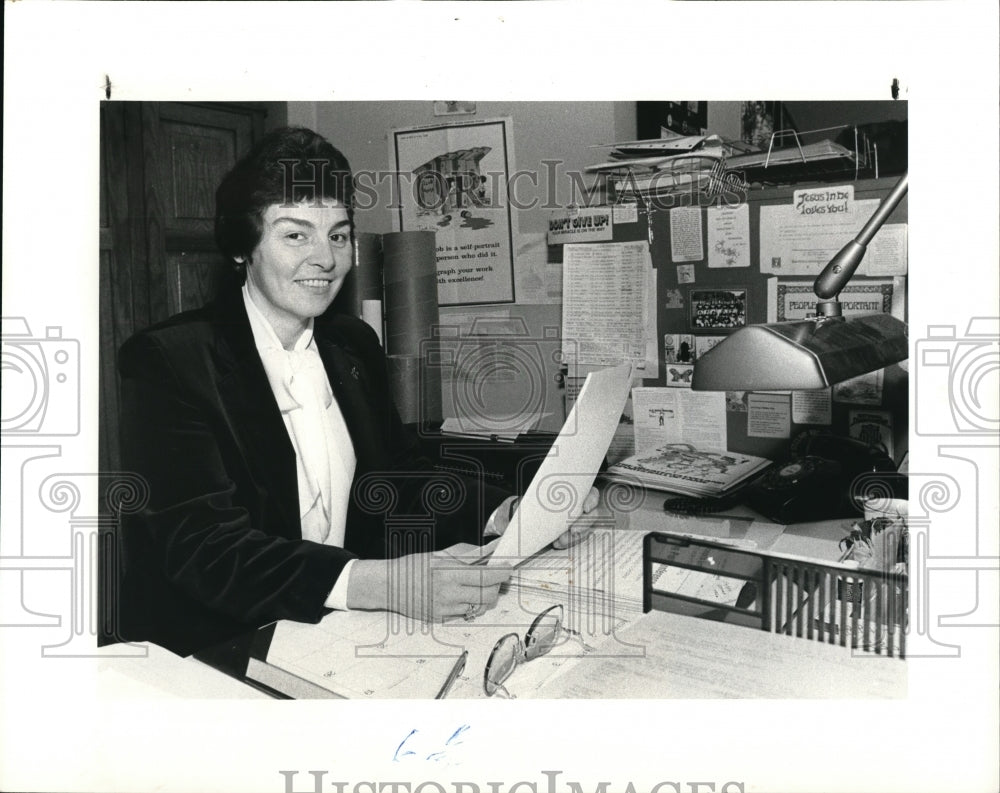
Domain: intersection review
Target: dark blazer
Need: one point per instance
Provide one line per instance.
(218, 551)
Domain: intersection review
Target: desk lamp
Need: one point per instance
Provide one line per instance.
(817, 352)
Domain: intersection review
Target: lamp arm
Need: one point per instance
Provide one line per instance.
(841, 267)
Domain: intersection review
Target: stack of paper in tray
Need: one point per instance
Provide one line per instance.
(694, 163)
(800, 160)
(653, 152)
(680, 468)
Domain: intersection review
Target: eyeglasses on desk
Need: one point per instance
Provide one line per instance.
(510, 651)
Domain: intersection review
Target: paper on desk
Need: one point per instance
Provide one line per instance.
(496, 429)
(364, 655)
(557, 492)
(687, 657)
(599, 579)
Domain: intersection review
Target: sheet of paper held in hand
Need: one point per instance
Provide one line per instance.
(555, 496)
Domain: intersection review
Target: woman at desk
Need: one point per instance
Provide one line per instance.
(265, 431)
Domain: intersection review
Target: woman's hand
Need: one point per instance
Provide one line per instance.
(568, 538)
(425, 586)
(572, 536)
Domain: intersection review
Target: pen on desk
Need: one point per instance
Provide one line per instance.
(456, 670)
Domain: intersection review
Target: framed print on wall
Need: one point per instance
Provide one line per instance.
(452, 179)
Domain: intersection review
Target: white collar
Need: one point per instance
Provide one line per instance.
(263, 333)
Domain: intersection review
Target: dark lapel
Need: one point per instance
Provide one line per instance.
(249, 403)
(349, 380)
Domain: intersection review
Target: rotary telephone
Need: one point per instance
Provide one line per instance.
(813, 484)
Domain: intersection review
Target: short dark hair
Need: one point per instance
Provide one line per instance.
(287, 166)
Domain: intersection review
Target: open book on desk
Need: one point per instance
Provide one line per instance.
(380, 655)
(384, 655)
(356, 655)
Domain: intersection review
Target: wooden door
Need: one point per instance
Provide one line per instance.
(160, 165)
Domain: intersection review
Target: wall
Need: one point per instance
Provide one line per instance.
(820, 115)
(561, 131)
(725, 119)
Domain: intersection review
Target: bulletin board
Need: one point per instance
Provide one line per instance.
(698, 303)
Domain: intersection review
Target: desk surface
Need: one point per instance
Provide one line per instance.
(817, 540)
(687, 657)
(160, 674)
(768, 665)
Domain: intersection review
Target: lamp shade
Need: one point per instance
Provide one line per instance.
(801, 355)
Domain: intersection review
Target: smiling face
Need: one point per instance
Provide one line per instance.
(299, 264)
